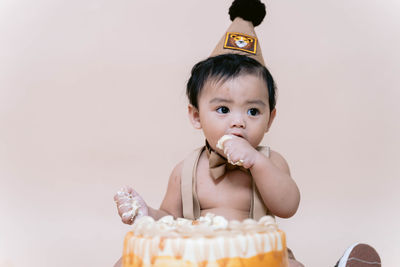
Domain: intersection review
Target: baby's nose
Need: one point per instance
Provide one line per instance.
(238, 121)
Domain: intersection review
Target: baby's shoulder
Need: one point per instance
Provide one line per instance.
(175, 176)
(279, 161)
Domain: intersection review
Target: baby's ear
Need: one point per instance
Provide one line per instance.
(271, 119)
(194, 116)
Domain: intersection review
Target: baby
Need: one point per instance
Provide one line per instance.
(231, 97)
(232, 100)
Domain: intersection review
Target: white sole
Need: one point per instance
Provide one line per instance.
(343, 260)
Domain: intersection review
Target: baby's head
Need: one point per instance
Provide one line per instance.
(231, 94)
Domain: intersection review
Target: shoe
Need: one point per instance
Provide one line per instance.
(359, 255)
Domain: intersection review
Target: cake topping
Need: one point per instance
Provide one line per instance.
(208, 225)
(209, 239)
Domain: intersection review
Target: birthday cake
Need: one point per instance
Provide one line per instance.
(208, 241)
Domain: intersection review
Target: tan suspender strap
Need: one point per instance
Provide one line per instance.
(257, 208)
(190, 202)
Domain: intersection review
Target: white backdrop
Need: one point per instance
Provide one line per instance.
(92, 93)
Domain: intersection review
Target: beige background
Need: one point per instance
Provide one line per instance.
(92, 95)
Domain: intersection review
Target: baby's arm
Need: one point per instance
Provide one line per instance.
(171, 205)
(271, 175)
(277, 188)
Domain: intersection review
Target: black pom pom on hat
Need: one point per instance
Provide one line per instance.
(250, 10)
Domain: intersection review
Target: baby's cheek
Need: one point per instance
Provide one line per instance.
(256, 140)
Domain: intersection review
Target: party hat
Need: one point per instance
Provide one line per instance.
(240, 37)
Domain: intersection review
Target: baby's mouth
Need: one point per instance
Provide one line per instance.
(237, 134)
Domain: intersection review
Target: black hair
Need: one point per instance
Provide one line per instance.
(224, 67)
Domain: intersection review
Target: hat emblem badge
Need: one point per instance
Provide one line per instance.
(242, 42)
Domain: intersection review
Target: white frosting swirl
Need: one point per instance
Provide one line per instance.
(208, 225)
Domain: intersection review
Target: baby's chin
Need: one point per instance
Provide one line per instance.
(213, 145)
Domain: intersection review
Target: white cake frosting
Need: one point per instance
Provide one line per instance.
(208, 238)
(221, 141)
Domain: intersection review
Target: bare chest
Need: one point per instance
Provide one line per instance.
(230, 193)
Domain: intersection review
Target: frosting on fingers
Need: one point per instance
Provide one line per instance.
(131, 213)
(132, 204)
(221, 141)
(220, 145)
(238, 163)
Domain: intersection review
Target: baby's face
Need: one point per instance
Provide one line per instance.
(238, 106)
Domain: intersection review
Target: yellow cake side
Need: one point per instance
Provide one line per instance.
(270, 259)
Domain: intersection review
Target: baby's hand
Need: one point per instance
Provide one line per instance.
(130, 205)
(238, 151)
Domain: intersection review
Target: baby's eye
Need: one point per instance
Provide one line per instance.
(223, 110)
(253, 112)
